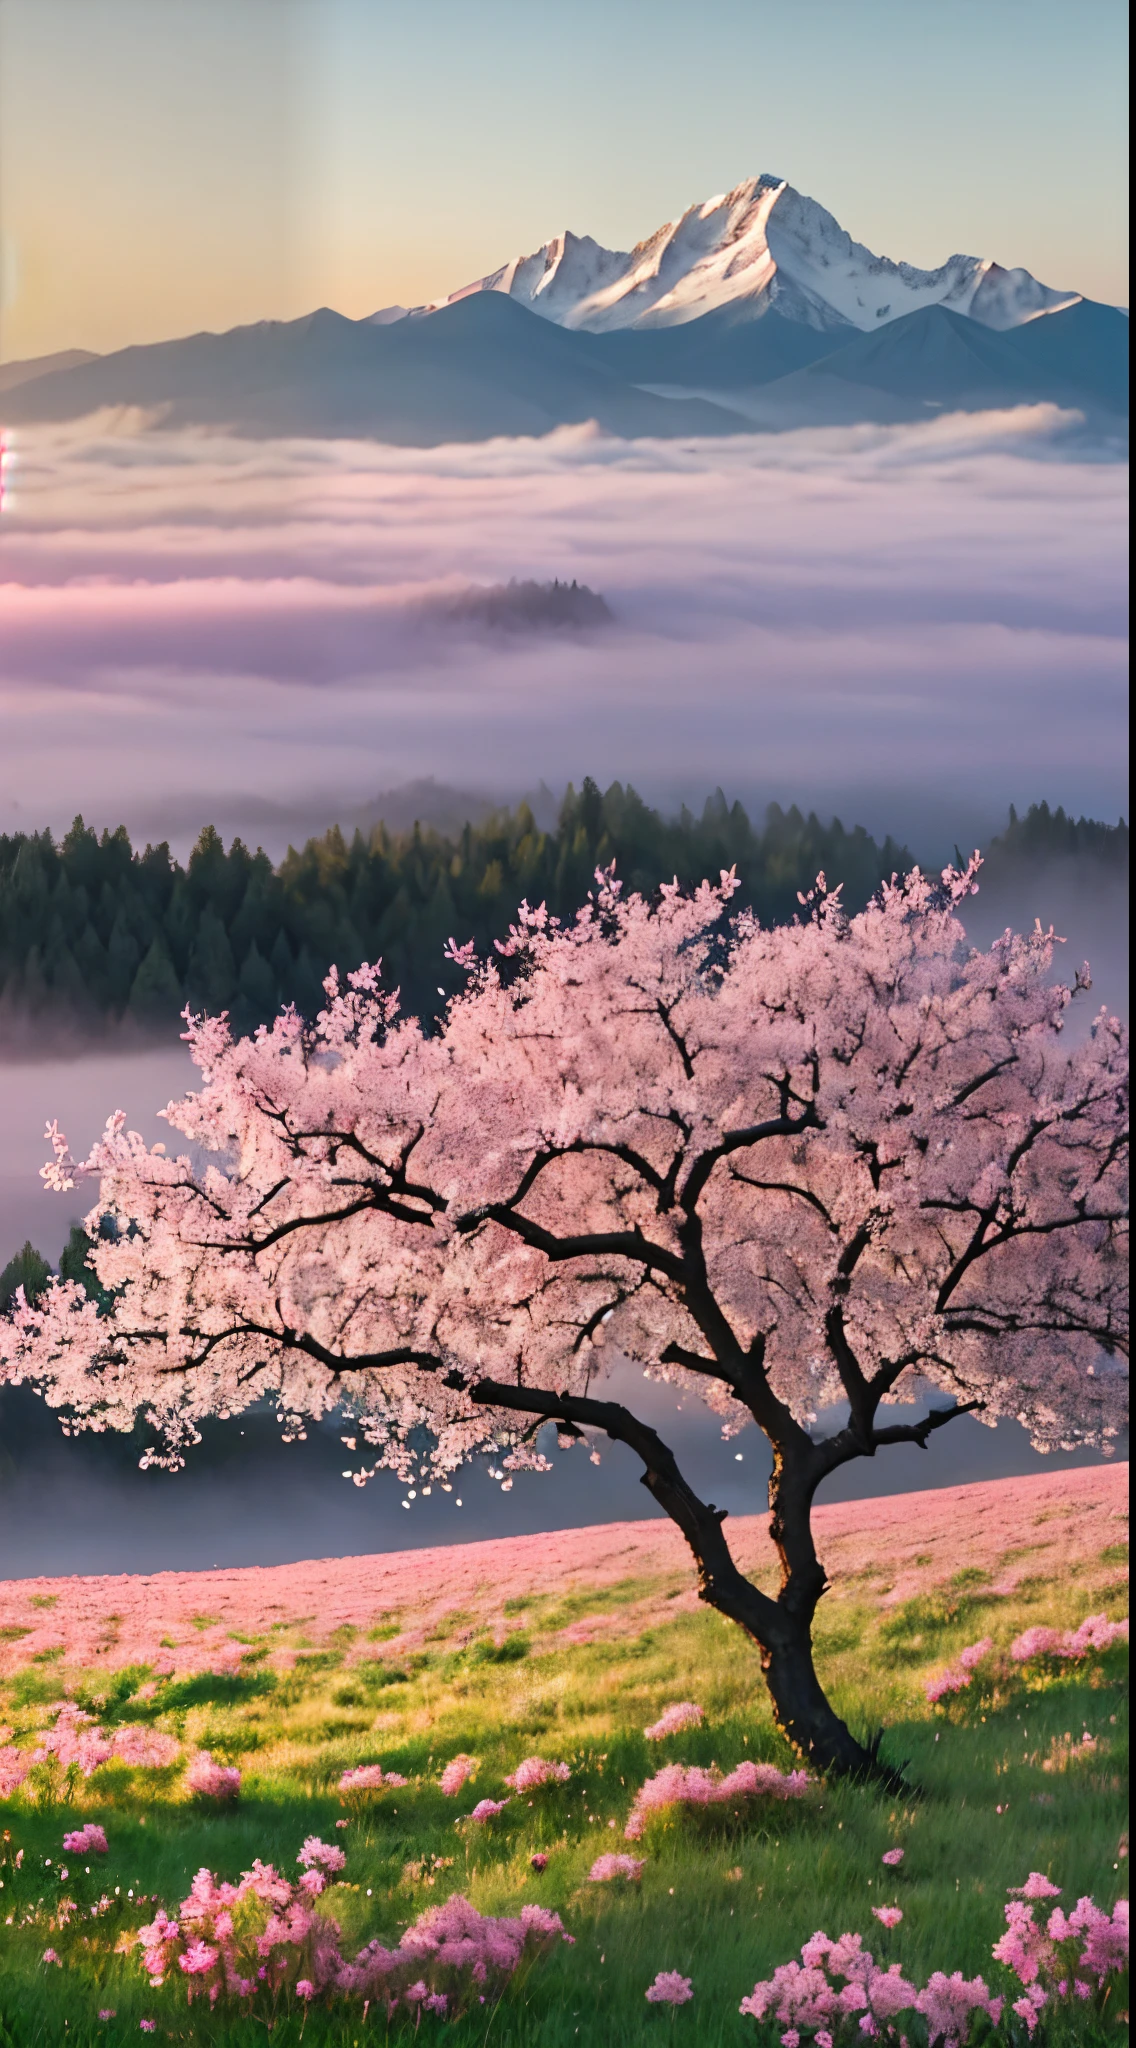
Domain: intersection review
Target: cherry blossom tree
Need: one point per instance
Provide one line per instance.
(824, 1163)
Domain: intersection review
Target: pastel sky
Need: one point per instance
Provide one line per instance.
(167, 165)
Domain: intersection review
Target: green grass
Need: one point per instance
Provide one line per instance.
(721, 1900)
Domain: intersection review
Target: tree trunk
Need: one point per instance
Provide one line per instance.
(782, 1629)
(806, 1719)
(800, 1708)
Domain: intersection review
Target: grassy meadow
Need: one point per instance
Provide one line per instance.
(1006, 1785)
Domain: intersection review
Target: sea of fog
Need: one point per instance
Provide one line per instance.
(914, 625)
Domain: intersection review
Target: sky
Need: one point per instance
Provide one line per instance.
(168, 165)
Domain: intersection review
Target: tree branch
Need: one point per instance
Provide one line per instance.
(626, 1244)
(719, 1581)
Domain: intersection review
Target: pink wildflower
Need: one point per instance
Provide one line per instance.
(888, 1916)
(690, 1785)
(73, 1741)
(1024, 1948)
(14, 1767)
(683, 1714)
(1037, 1642)
(605, 1868)
(670, 1989)
(488, 1809)
(455, 1774)
(791, 2040)
(88, 1840)
(370, 1778)
(145, 1748)
(975, 1652)
(315, 1854)
(946, 1682)
(208, 1780)
(1036, 1886)
(49, 1956)
(892, 1857)
(198, 1958)
(305, 1988)
(947, 2004)
(534, 1771)
(823, 2038)
(539, 1861)
(1030, 2007)
(1096, 1632)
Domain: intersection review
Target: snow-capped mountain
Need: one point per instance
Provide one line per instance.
(761, 246)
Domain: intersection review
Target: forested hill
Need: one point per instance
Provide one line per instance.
(93, 932)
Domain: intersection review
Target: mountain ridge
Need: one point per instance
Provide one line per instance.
(761, 246)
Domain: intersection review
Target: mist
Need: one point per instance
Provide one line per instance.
(913, 626)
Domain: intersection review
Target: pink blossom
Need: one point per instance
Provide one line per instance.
(455, 1774)
(534, 1771)
(670, 1989)
(684, 1714)
(49, 1956)
(605, 1868)
(488, 1809)
(975, 1652)
(89, 1840)
(305, 1988)
(892, 1857)
(539, 1861)
(888, 1916)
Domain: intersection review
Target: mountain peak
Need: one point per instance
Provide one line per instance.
(760, 246)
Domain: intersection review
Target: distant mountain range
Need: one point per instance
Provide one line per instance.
(761, 247)
(754, 310)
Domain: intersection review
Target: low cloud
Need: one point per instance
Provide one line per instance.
(916, 624)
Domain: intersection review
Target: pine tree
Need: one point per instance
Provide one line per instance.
(74, 1264)
(29, 1270)
(212, 974)
(155, 992)
(123, 955)
(259, 993)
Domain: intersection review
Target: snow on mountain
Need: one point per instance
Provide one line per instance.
(760, 246)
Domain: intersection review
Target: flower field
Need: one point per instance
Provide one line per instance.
(391, 1798)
